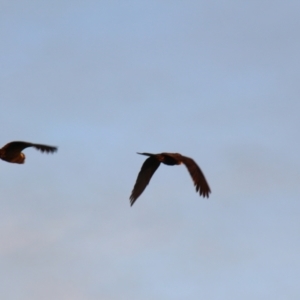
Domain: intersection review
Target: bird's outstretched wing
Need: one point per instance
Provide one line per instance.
(45, 148)
(148, 168)
(197, 176)
(17, 147)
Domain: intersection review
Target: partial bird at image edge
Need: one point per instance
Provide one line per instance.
(12, 152)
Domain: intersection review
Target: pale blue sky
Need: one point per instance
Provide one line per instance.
(214, 80)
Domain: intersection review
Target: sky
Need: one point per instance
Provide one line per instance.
(217, 81)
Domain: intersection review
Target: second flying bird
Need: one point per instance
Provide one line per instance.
(152, 163)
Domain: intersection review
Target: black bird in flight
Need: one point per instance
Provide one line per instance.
(11, 152)
(152, 163)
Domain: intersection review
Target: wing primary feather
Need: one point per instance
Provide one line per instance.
(45, 148)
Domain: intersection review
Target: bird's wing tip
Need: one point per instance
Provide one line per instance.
(131, 201)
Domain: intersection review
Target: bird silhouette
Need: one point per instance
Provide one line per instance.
(152, 163)
(11, 152)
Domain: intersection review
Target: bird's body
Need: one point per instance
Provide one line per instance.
(152, 163)
(169, 159)
(11, 152)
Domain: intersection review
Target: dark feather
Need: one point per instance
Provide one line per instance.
(148, 168)
(197, 176)
(45, 148)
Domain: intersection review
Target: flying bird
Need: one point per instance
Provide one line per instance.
(12, 152)
(152, 163)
